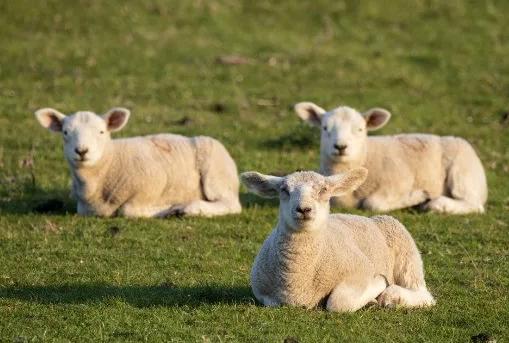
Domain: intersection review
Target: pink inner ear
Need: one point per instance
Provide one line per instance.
(313, 116)
(52, 122)
(376, 119)
(115, 120)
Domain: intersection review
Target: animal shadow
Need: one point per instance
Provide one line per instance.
(140, 296)
(25, 200)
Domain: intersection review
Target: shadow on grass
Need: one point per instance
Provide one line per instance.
(139, 296)
(37, 200)
(300, 137)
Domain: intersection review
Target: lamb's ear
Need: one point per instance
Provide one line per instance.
(266, 186)
(50, 119)
(347, 182)
(116, 118)
(310, 112)
(376, 118)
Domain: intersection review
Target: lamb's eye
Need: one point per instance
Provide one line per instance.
(325, 128)
(323, 190)
(101, 132)
(65, 132)
(360, 129)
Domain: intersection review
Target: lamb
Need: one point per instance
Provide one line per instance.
(440, 174)
(341, 261)
(150, 176)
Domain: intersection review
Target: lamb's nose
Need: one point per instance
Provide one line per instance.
(81, 151)
(340, 147)
(303, 210)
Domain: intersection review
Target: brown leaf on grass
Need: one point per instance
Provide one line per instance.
(233, 60)
(27, 162)
(48, 226)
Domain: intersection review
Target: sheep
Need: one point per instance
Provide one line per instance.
(341, 261)
(439, 173)
(149, 176)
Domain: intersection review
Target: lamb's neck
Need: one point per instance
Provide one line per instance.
(299, 250)
(330, 167)
(87, 179)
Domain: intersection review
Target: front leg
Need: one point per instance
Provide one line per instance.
(381, 202)
(351, 296)
(207, 208)
(84, 209)
(395, 295)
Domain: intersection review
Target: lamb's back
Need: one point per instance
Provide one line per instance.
(351, 234)
(161, 166)
(417, 158)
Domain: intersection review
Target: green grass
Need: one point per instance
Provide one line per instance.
(439, 66)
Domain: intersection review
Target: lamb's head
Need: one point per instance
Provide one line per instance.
(344, 130)
(86, 135)
(304, 196)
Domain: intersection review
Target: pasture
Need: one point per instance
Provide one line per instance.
(233, 70)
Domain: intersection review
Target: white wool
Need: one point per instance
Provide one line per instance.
(443, 174)
(150, 176)
(343, 262)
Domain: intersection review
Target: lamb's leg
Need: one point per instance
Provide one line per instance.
(131, 211)
(220, 182)
(410, 288)
(268, 301)
(395, 295)
(465, 182)
(347, 297)
(204, 208)
(382, 203)
(444, 204)
(84, 209)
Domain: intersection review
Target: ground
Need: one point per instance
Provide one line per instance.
(233, 70)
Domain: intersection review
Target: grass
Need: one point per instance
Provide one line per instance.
(439, 67)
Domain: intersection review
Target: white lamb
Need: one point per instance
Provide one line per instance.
(341, 261)
(150, 176)
(442, 174)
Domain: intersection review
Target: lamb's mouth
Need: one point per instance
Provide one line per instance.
(336, 153)
(303, 218)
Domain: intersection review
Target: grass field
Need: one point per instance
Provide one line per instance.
(439, 66)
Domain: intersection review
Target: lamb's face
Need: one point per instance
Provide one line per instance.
(304, 196)
(344, 130)
(86, 135)
(344, 135)
(304, 201)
